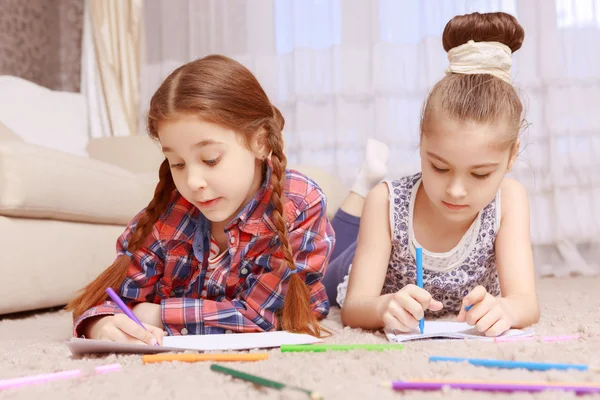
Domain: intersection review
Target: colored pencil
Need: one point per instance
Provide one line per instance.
(491, 386)
(257, 380)
(193, 357)
(419, 253)
(504, 339)
(508, 364)
(43, 378)
(290, 348)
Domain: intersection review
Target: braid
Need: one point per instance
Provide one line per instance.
(279, 162)
(162, 196)
(297, 313)
(94, 293)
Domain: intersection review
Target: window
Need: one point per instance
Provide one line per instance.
(409, 21)
(313, 24)
(578, 13)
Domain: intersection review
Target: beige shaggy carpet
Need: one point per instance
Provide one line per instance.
(34, 344)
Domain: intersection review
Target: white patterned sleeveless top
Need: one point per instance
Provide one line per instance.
(447, 276)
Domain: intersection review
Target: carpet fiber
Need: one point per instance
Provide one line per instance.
(34, 344)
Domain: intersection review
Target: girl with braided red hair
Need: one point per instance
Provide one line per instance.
(232, 241)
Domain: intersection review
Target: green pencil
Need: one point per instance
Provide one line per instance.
(257, 380)
(288, 348)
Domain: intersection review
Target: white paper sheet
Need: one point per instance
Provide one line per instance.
(224, 342)
(449, 330)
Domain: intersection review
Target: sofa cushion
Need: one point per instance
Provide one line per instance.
(7, 134)
(38, 182)
(50, 271)
(45, 117)
(334, 190)
(138, 154)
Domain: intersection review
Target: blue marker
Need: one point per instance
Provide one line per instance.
(469, 307)
(419, 252)
(532, 366)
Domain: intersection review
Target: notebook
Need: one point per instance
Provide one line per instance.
(224, 342)
(449, 330)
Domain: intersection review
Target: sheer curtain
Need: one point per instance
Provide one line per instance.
(111, 66)
(343, 71)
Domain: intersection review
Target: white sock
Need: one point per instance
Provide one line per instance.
(373, 168)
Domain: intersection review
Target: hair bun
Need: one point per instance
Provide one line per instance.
(488, 27)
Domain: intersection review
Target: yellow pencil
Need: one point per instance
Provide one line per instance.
(192, 357)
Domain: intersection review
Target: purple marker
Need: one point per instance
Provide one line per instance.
(115, 297)
(492, 386)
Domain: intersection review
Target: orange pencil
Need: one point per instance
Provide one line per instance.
(191, 357)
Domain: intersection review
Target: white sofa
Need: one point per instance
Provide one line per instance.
(62, 206)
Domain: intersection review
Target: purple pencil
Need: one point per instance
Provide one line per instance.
(115, 297)
(491, 387)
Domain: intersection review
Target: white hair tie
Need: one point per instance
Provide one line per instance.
(492, 58)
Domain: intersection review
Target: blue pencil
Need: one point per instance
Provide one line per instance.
(419, 252)
(532, 366)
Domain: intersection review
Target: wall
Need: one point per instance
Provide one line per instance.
(40, 40)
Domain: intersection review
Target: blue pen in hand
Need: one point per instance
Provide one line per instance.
(115, 297)
(419, 253)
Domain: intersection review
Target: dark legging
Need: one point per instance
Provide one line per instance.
(346, 233)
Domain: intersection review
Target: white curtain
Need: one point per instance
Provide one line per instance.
(345, 70)
(110, 63)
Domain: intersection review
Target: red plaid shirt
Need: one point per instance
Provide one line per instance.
(247, 288)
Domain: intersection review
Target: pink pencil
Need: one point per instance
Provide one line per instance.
(502, 339)
(36, 379)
